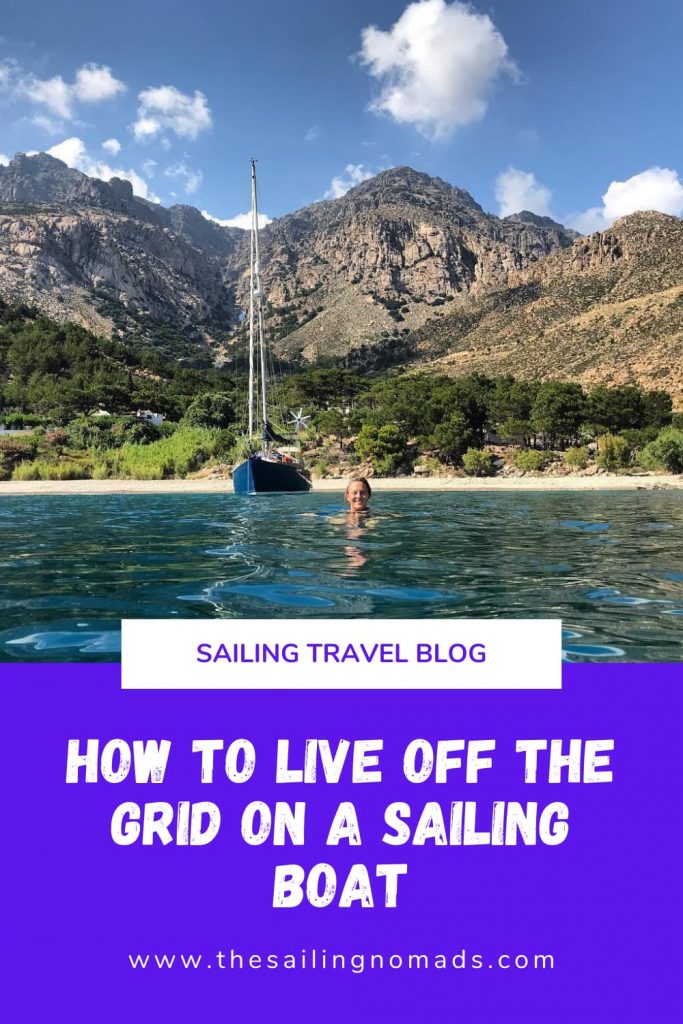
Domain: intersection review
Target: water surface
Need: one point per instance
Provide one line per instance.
(609, 564)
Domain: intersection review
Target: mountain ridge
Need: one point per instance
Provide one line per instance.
(403, 269)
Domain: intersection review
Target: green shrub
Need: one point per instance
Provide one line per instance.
(386, 465)
(105, 432)
(20, 420)
(530, 461)
(613, 452)
(321, 469)
(167, 428)
(151, 471)
(665, 452)
(133, 432)
(67, 471)
(432, 465)
(576, 458)
(477, 462)
(185, 451)
(42, 469)
(26, 471)
(224, 444)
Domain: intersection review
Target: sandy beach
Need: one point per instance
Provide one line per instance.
(597, 482)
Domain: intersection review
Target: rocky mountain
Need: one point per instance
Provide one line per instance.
(338, 273)
(344, 272)
(91, 251)
(609, 309)
(404, 269)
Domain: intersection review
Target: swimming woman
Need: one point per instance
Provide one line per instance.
(358, 493)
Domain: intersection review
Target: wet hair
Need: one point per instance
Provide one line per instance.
(359, 480)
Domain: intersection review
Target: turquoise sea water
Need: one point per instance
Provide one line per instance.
(609, 564)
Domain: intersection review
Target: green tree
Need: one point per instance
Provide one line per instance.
(385, 447)
(558, 411)
(211, 410)
(336, 422)
(509, 401)
(320, 388)
(452, 437)
(617, 408)
(658, 408)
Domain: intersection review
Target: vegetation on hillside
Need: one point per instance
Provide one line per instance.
(76, 392)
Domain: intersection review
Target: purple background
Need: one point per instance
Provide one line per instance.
(605, 903)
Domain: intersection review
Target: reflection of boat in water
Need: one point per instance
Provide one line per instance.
(270, 468)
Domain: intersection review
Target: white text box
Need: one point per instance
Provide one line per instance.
(353, 654)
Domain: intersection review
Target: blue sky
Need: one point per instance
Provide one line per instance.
(571, 109)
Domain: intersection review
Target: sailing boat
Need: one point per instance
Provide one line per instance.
(268, 469)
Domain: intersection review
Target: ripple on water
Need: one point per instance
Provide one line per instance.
(105, 642)
(303, 596)
(592, 651)
(584, 524)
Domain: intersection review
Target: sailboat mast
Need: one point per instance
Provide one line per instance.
(251, 319)
(257, 293)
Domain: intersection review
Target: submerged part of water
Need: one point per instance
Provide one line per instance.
(609, 564)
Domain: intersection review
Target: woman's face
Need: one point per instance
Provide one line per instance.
(357, 496)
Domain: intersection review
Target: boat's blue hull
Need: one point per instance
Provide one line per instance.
(257, 476)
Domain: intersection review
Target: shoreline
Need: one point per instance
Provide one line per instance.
(602, 482)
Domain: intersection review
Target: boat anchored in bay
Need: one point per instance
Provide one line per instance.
(270, 469)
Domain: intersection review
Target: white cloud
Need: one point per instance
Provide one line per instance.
(166, 108)
(191, 179)
(74, 153)
(518, 190)
(148, 168)
(53, 93)
(657, 188)
(313, 134)
(4, 160)
(353, 174)
(93, 83)
(436, 66)
(112, 146)
(242, 220)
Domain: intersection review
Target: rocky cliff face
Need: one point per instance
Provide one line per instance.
(338, 273)
(607, 310)
(403, 268)
(345, 272)
(91, 251)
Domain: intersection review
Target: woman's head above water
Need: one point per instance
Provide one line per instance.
(358, 492)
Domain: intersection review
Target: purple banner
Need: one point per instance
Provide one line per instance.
(586, 929)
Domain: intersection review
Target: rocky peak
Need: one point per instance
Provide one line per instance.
(527, 217)
(402, 191)
(43, 180)
(193, 226)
